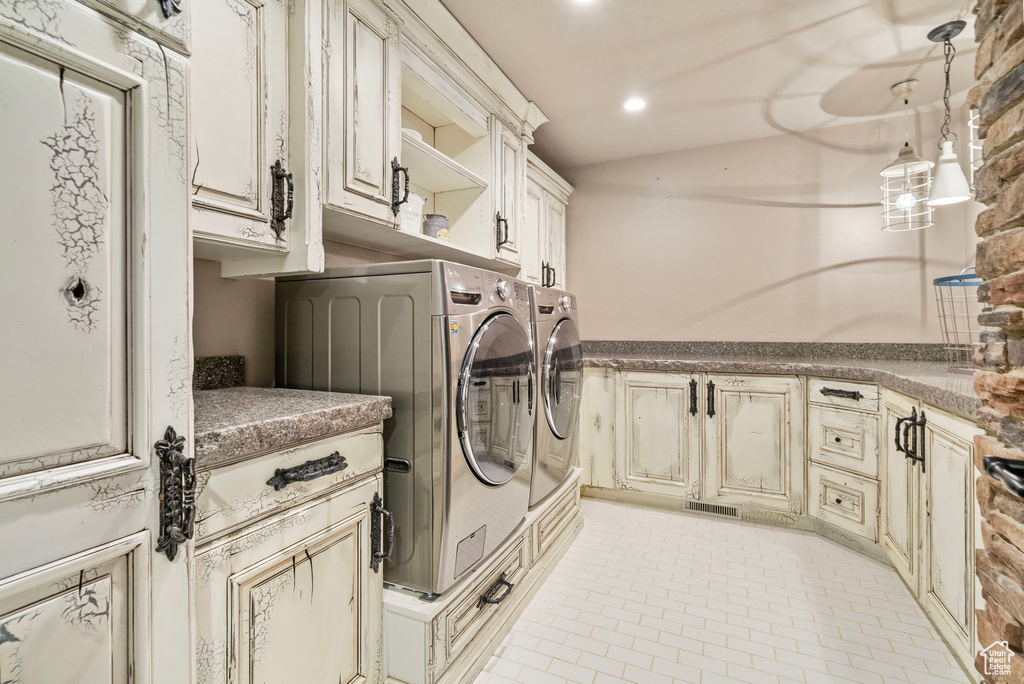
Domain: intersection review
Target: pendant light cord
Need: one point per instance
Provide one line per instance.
(950, 53)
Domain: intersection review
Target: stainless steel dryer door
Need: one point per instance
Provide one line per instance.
(562, 377)
(495, 400)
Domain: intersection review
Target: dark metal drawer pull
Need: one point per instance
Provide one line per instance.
(492, 595)
(711, 399)
(841, 393)
(693, 397)
(1010, 473)
(310, 470)
(378, 513)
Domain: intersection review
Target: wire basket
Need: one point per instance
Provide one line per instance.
(957, 300)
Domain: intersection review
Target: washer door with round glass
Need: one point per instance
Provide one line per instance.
(562, 377)
(495, 400)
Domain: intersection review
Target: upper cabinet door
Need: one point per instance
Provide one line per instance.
(239, 107)
(363, 108)
(165, 20)
(96, 347)
(509, 191)
(755, 442)
(556, 242)
(534, 234)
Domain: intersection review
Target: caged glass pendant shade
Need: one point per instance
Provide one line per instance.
(950, 185)
(906, 183)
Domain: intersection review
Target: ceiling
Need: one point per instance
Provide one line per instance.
(711, 71)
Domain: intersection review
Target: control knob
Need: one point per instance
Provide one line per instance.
(565, 301)
(503, 289)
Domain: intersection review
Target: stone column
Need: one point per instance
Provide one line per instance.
(999, 98)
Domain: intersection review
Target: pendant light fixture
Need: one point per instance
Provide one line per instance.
(950, 186)
(906, 182)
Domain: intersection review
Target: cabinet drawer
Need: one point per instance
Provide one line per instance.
(853, 395)
(849, 502)
(232, 495)
(549, 527)
(844, 439)
(469, 614)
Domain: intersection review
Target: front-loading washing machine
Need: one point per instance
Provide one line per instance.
(556, 340)
(450, 345)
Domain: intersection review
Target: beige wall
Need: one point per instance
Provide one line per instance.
(774, 239)
(236, 317)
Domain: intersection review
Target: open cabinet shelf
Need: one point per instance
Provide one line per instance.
(435, 171)
(401, 243)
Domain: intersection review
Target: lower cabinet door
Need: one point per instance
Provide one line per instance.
(293, 598)
(900, 501)
(659, 435)
(947, 568)
(754, 442)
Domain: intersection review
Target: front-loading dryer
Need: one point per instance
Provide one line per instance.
(560, 381)
(451, 345)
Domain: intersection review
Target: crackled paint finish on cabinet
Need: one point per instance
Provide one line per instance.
(293, 598)
(754, 442)
(901, 534)
(947, 572)
(100, 266)
(149, 17)
(597, 434)
(364, 113)
(534, 234)
(659, 441)
(509, 189)
(239, 73)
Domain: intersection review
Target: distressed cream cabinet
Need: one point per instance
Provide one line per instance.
(363, 84)
(754, 442)
(96, 345)
(508, 190)
(659, 437)
(929, 515)
(287, 583)
(728, 439)
(547, 200)
(255, 74)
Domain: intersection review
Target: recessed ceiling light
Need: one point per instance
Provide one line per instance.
(634, 104)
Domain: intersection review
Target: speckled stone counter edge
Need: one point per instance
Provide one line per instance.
(227, 445)
(218, 372)
(789, 350)
(960, 403)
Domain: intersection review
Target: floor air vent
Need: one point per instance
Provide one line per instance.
(701, 507)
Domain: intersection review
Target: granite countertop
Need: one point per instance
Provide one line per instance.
(920, 376)
(242, 421)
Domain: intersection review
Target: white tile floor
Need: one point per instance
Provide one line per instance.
(657, 597)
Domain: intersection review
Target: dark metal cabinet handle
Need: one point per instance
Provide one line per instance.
(838, 500)
(693, 397)
(711, 399)
(844, 394)
(502, 235)
(839, 440)
(899, 445)
(377, 513)
(1010, 473)
(396, 186)
(310, 470)
(170, 7)
(282, 199)
(177, 494)
(493, 596)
